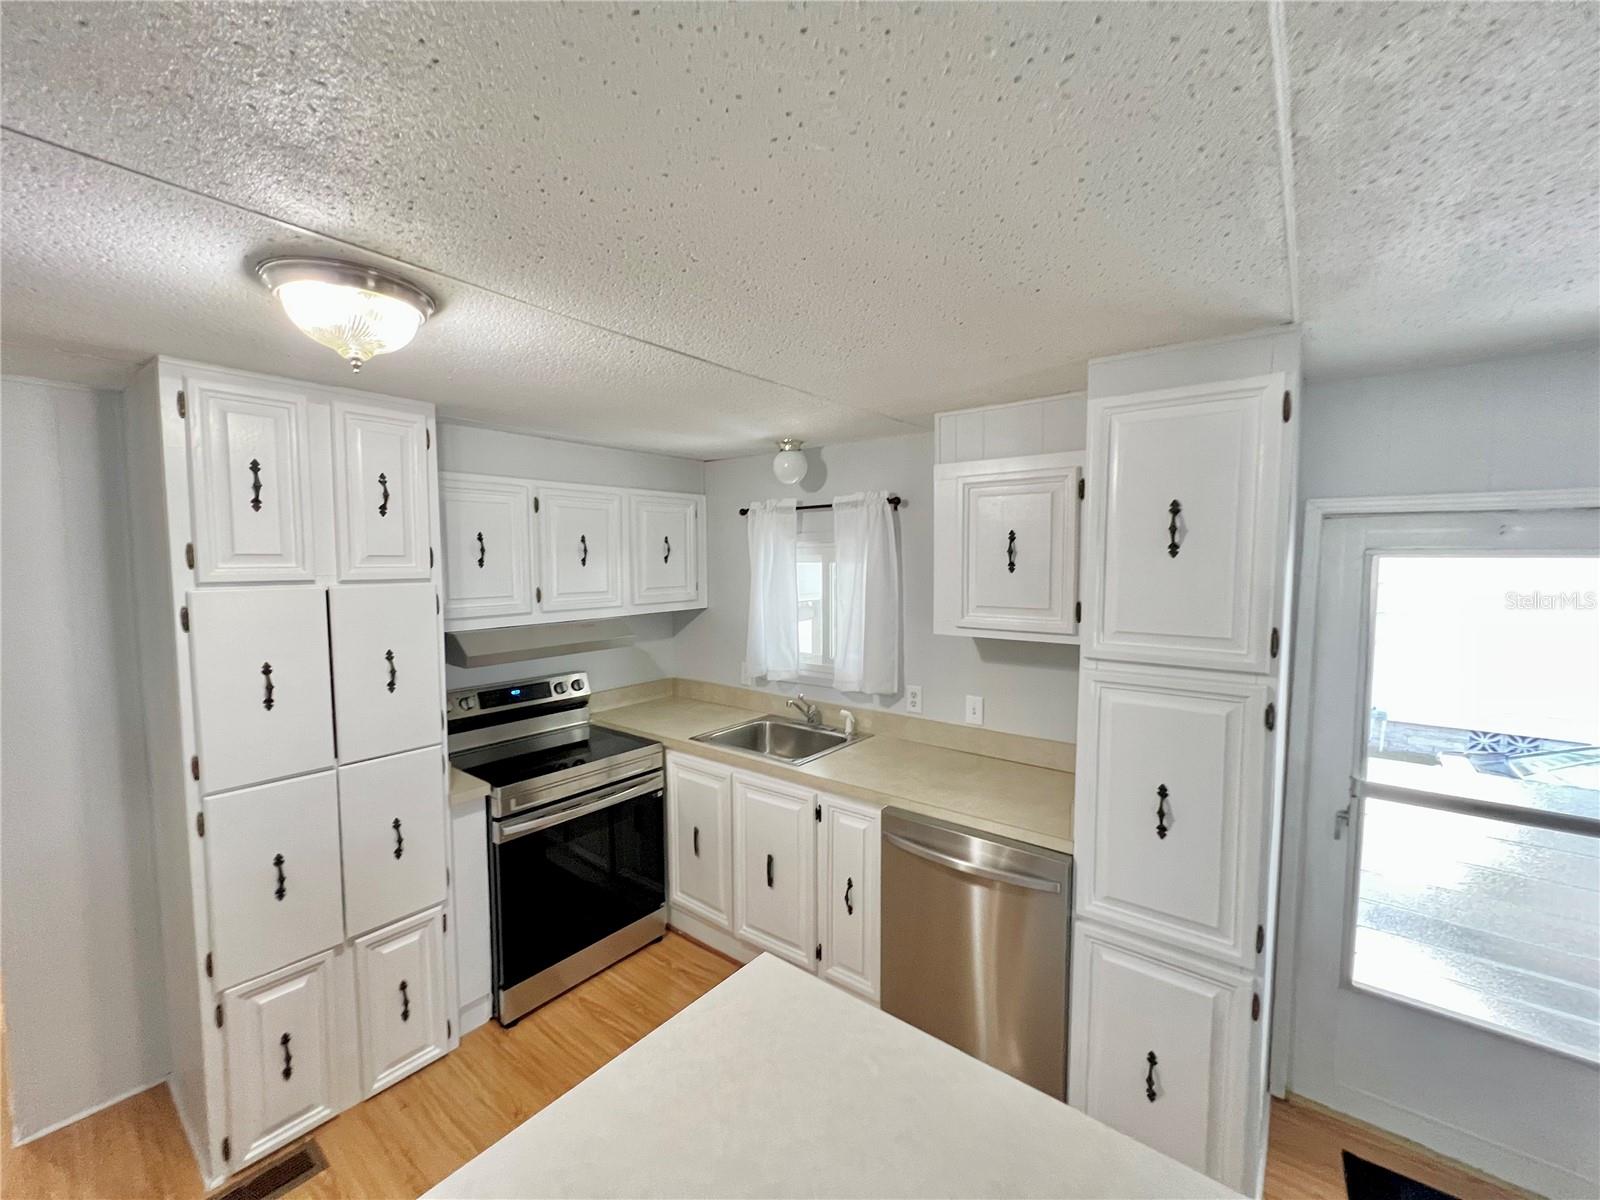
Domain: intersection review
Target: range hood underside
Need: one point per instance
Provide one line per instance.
(519, 643)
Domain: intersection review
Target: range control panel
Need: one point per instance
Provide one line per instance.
(552, 689)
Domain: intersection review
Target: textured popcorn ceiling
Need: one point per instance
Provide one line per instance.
(699, 227)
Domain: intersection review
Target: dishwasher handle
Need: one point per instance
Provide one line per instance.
(997, 874)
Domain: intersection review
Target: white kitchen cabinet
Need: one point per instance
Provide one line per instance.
(400, 999)
(1006, 547)
(488, 544)
(1172, 847)
(699, 839)
(1158, 1050)
(272, 862)
(249, 454)
(1188, 525)
(385, 646)
(775, 867)
(847, 895)
(262, 697)
(666, 537)
(580, 548)
(392, 837)
(279, 1037)
(381, 497)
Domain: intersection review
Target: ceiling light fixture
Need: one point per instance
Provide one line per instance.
(789, 465)
(356, 311)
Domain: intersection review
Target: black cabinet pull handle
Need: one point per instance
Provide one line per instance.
(388, 657)
(282, 890)
(769, 870)
(1011, 551)
(583, 550)
(697, 841)
(383, 505)
(405, 1002)
(480, 548)
(1150, 1078)
(288, 1058)
(266, 700)
(1161, 810)
(849, 904)
(666, 555)
(1172, 529)
(399, 839)
(255, 485)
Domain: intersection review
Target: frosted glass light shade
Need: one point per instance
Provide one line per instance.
(357, 312)
(789, 465)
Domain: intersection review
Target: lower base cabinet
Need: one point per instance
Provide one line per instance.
(775, 867)
(400, 999)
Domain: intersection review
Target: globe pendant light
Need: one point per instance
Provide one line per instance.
(356, 311)
(789, 465)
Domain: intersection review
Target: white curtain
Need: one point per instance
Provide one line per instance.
(866, 654)
(772, 645)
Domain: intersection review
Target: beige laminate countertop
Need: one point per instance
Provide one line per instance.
(1030, 804)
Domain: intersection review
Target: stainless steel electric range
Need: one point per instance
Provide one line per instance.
(577, 835)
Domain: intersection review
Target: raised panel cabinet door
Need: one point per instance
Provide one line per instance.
(488, 546)
(664, 536)
(775, 867)
(392, 826)
(278, 1036)
(1184, 500)
(1153, 1054)
(400, 998)
(385, 668)
(1019, 555)
(272, 870)
(249, 447)
(847, 896)
(580, 543)
(699, 817)
(262, 697)
(381, 496)
(1170, 807)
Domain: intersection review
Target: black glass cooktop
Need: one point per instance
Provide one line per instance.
(545, 754)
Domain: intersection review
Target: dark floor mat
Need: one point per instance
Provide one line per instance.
(281, 1177)
(1365, 1180)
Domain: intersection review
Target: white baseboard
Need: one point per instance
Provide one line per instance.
(719, 940)
(474, 1014)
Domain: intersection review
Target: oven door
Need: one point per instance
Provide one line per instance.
(564, 879)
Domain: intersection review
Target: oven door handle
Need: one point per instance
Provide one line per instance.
(510, 831)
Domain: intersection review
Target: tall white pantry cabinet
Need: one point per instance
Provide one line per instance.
(1188, 544)
(289, 639)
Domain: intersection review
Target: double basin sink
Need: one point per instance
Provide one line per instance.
(780, 739)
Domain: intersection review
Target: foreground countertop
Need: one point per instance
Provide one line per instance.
(1030, 804)
(776, 1084)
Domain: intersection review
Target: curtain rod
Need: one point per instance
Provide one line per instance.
(894, 503)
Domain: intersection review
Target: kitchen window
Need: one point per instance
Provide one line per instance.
(1477, 798)
(816, 579)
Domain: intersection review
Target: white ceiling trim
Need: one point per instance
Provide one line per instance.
(1279, 40)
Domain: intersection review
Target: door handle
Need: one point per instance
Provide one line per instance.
(769, 870)
(1161, 811)
(282, 888)
(255, 485)
(849, 904)
(510, 831)
(288, 1058)
(399, 839)
(583, 550)
(266, 700)
(1150, 1077)
(666, 555)
(383, 505)
(481, 549)
(1173, 510)
(697, 841)
(405, 1002)
(1011, 551)
(998, 874)
(388, 657)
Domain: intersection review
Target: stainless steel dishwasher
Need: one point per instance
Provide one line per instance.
(976, 936)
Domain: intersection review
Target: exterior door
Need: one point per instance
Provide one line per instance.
(249, 446)
(1183, 564)
(1019, 553)
(261, 689)
(699, 818)
(381, 497)
(664, 533)
(385, 668)
(775, 869)
(487, 546)
(580, 548)
(1445, 978)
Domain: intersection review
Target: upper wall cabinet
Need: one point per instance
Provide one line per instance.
(1184, 570)
(665, 532)
(580, 548)
(487, 546)
(249, 454)
(381, 496)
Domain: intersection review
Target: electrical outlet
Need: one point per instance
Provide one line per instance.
(974, 710)
(913, 697)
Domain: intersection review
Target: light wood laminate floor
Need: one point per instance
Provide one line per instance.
(409, 1137)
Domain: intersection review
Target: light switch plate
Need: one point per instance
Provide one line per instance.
(913, 697)
(974, 710)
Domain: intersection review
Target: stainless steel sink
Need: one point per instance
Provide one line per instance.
(781, 739)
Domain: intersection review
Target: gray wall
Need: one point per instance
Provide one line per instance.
(80, 948)
(1027, 688)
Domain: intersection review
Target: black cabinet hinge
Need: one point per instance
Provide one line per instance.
(819, 812)
(1261, 938)
(536, 505)
(227, 1149)
(437, 607)
(1272, 716)
(430, 558)
(1080, 489)
(449, 1029)
(1077, 612)
(188, 555)
(200, 824)
(1255, 1006)
(1274, 647)
(1287, 405)
(447, 922)
(194, 767)
(209, 971)
(183, 618)
(219, 1016)
(183, 405)
(819, 951)
(427, 438)
(538, 595)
